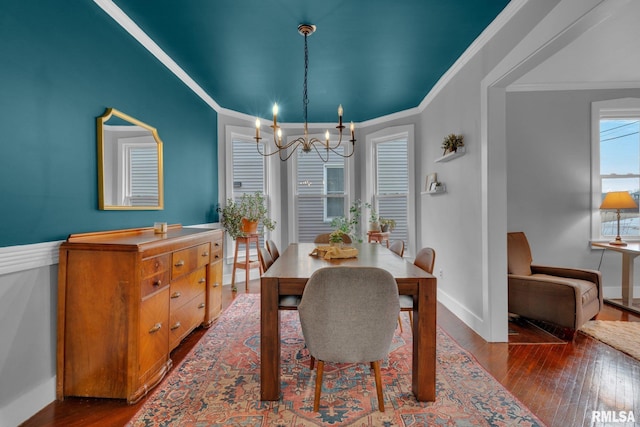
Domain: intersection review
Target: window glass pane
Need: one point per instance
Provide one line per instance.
(320, 193)
(619, 147)
(144, 176)
(392, 184)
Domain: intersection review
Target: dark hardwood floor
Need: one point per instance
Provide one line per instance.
(560, 383)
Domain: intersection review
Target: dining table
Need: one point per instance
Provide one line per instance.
(288, 276)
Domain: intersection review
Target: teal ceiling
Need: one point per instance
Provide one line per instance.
(375, 57)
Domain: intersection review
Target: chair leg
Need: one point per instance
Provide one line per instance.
(400, 323)
(376, 369)
(316, 398)
(312, 363)
(411, 320)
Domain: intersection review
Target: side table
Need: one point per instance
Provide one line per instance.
(378, 236)
(248, 263)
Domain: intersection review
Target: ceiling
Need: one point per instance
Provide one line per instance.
(375, 57)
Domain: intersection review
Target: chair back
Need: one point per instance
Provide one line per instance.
(273, 249)
(519, 256)
(265, 258)
(397, 247)
(425, 259)
(324, 238)
(349, 314)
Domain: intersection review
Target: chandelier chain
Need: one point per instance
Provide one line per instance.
(305, 94)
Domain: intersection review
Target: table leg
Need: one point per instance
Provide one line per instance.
(627, 279)
(424, 341)
(269, 339)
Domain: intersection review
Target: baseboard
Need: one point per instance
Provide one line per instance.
(25, 406)
(463, 313)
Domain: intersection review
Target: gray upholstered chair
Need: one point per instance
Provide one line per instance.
(324, 238)
(273, 249)
(565, 297)
(265, 258)
(348, 315)
(397, 247)
(425, 259)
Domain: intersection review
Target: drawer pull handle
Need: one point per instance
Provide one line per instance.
(201, 305)
(179, 263)
(215, 285)
(155, 328)
(157, 283)
(217, 256)
(176, 295)
(175, 326)
(202, 280)
(205, 254)
(217, 244)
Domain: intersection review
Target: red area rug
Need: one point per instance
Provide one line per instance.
(218, 384)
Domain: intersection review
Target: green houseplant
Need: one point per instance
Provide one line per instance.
(348, 225)
(387, 224)
(452, 142)
(241, 217)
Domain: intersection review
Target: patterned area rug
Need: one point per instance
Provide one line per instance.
(624, 336)
(218, 384)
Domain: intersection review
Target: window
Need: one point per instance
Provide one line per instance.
(247, 170)
(138, 181)
(391, 175)
(320, 193)
(615, 165)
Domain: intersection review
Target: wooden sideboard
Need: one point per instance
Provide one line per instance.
(126, 298)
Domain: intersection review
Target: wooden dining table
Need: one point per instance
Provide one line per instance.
(288, 276)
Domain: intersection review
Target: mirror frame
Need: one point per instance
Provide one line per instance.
(109, 112)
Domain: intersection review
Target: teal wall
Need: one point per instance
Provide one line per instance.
(62, 63)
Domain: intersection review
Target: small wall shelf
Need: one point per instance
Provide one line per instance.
(451, 156)
(440, 190)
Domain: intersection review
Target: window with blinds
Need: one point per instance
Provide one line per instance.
(391, 189)
(320, 194)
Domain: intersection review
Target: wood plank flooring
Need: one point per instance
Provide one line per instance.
(560, 383)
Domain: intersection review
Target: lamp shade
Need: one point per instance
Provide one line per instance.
(618, 200)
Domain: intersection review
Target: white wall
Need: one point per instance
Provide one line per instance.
(549, 178)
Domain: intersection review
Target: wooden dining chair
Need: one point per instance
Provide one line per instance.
(285, 302)
(425, 259)
(348, 315)
(273, 250)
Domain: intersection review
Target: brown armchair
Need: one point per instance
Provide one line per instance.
(566, 297)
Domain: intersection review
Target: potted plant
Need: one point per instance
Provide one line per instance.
(452, 142)
(335, 238)
(240, 218)
(387, 224)
(349, 225)
(374, 220)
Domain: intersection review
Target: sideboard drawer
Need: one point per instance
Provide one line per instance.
(185, 319)
(189, 259)
(154, 333)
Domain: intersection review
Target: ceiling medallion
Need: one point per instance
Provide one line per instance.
(322, 147)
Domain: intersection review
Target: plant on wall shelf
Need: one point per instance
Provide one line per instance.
(452, 142)
(251, 208)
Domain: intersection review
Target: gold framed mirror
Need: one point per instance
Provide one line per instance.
(129, 163)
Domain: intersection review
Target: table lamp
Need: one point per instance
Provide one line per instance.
(618, 200)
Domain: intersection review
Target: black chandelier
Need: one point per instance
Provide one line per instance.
(322, 147)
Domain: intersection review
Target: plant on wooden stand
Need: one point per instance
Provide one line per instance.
(387, 224)
(240, 218)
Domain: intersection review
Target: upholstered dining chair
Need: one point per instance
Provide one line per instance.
(425, 259)
(273, 249)
(397, 247)
(565, 297)
(324, 238)
(348, 315)
(265, 258)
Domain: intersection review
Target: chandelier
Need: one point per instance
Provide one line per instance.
(322, 147)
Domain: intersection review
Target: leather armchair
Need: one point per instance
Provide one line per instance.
(566, 297)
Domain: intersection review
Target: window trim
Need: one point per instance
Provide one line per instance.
(613, 108)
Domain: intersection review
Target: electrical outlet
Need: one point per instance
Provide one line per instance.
(440, 274)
